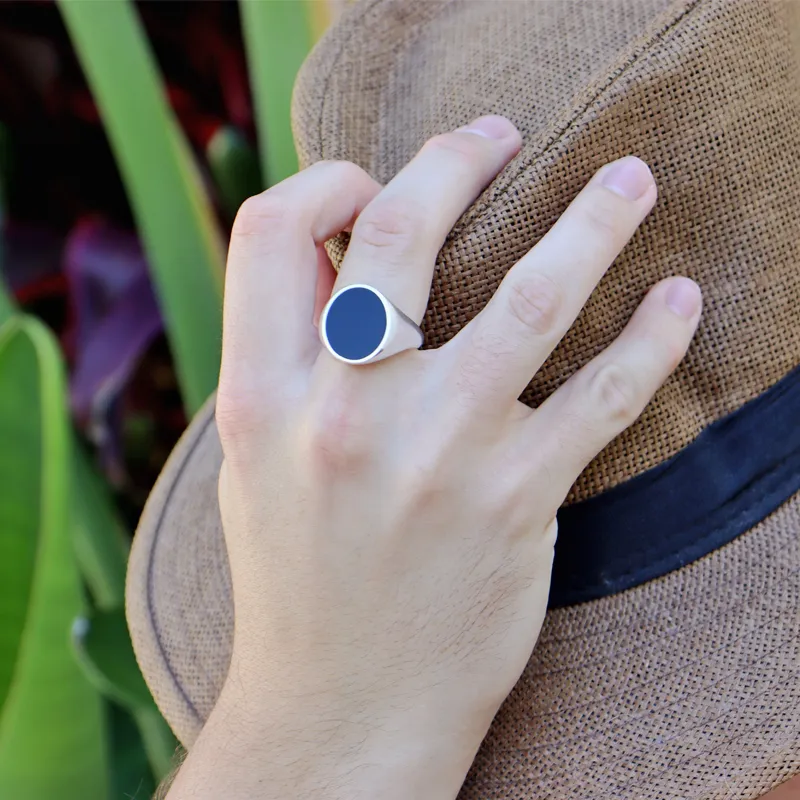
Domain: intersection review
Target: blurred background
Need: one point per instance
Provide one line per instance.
(130, 132)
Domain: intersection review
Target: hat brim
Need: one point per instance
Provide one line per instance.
(687, 682)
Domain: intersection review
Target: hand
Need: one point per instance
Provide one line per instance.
(390, 527)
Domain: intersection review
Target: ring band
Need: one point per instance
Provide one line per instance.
(359, 325)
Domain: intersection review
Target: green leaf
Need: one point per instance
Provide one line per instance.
(131, 776)
(277, 37)
(52, 728)
(104, 650)
(234, 167)
(173, 213)
(6, 303)
(159, 742)
(19, 525)
(100, 539)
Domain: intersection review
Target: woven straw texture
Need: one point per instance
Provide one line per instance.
(707, 93)
(686, 687)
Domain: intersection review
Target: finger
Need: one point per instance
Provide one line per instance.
(326, 277)
(397, 237)
(607, 395)
(501, 349)
(273, 265)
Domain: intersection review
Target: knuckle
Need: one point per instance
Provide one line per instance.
(238, 414)
(613, 395)
(536, 301)
(481, 365)
(575, 428)
(344, 173)
(420, 484)
(389, 223)
(602, 215)
(340, 168)
(668, 352)
(248, 403)
(261, 213)
(505, 495)
(337, 439)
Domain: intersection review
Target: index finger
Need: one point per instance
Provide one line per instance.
(271, 277)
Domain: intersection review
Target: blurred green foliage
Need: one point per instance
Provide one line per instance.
(234, 167)
(52, 729)
(77, 721)
(277, 37)
(172, 211)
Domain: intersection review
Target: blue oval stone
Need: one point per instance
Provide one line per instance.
(356, 323)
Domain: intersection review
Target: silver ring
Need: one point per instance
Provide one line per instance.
(359, 325)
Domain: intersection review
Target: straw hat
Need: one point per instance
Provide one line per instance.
(669, 663)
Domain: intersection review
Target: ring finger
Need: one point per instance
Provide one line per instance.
(606, 395)
(396, 238)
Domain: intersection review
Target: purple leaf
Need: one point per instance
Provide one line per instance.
(114, 346)
(101, 263)
(115, 319)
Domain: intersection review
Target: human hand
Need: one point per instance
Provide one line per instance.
(390, 527)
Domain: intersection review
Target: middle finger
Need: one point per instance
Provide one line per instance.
(542, 294)
(397, 236)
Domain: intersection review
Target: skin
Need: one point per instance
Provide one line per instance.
(390, 527)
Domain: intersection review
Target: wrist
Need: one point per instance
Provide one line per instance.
(277, 748)
(338, 748)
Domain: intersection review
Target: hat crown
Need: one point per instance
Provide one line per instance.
(707, 92)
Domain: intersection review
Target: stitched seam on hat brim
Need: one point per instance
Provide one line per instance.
(196, 715)
(156, 630)
(150, 572)
(149, 590)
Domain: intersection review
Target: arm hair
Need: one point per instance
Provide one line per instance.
(166, 784)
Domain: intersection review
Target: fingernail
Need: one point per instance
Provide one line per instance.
(492, 127)
(684, 297)
(629, 177)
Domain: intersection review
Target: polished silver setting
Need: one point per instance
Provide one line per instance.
(401, 332)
